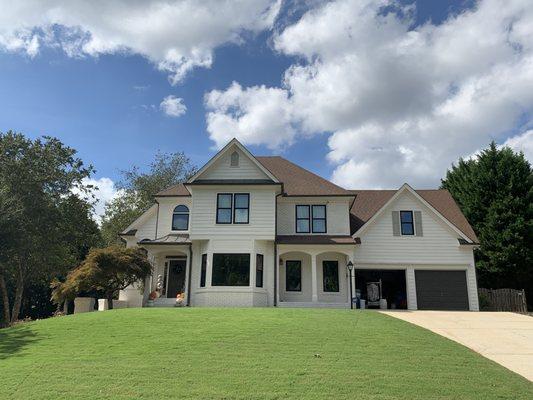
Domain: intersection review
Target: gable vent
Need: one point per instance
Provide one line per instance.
(234, 161)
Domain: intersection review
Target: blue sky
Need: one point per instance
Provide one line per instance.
(104, 99)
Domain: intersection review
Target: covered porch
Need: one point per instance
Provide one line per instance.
(171, 257)
(312, 272)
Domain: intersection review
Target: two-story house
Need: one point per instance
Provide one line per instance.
(262, 231)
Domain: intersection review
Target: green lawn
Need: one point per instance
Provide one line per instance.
(194, 353)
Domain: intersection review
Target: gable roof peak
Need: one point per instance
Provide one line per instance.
(369, 203)
(233, 143)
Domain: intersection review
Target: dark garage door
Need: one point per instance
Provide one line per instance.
(441, 290)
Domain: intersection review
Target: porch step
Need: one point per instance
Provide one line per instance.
(309, 304)
(164, 302)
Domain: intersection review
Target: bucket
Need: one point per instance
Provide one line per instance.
(363, 303)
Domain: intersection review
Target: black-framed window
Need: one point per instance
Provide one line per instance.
(231, 270)
(319, 219)
(303, 219)
(293, 276)
(203, 270)
(330, 276)
(241, 208)
(180, 218)
(407, 223)
(224, 208)
(259, 259)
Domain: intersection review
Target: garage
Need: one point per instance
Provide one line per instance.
(441, 290)
(381, 288)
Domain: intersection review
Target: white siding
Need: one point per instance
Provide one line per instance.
(221, 168)
(147, 229)
(145, 226)
(166, 208)
(337, 213)
(439, 244)
(262, 210)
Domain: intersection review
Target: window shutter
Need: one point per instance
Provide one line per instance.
(396, 223)
(418, 223)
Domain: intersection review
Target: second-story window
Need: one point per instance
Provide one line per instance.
(224, 208)
(407, 224)
(319, 219)
(303, 217)
(180, 218)
(241, 209)
(311, 218)
(233, 207)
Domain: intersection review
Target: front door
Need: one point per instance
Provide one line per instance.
(176, 277)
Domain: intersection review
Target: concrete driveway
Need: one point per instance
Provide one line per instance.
(504, 337)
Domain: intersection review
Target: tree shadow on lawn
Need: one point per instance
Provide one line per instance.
(13, 340)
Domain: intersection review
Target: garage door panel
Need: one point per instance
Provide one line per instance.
(441, 290)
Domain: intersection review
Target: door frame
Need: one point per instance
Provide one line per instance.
(167, 271)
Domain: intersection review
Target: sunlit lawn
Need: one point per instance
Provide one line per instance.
(195, 353)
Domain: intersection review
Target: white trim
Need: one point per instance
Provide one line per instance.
(403, 188)
(233, 142)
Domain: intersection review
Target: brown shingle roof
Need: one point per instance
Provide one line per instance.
(175, 190)
(298, 181)
(369, 202)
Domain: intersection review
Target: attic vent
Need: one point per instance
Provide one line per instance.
(234, 159)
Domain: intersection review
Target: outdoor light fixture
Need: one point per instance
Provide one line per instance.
(350, 268)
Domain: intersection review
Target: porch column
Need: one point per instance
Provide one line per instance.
(276, 266)
(410, 284)
(314, 285)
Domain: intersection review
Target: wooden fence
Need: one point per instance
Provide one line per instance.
(502, 300)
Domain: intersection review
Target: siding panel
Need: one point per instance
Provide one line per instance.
(222, 169)
(337, 212)
(262, 210)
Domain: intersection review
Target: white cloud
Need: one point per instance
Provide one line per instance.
(523, 143)
(173, 106)
(400, 103)
(255, 115)
(176, 36)
(105, 192)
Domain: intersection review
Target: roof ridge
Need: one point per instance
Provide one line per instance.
(302, 169)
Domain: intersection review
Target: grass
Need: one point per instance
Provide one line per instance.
(243, 354)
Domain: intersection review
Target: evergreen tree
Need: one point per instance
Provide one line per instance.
(495, 192)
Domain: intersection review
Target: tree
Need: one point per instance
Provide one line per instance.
(495, 192)
(37, 178)
(138, 189)
(108, 270)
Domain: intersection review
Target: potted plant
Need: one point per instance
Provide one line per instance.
(180, 298)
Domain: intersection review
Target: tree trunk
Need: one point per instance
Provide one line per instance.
(109, 300)
(19, 289)
(5, 300)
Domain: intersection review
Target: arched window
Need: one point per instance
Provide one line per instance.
(180, 218)
(234, 159)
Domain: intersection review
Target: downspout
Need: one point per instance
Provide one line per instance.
(189, 276)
